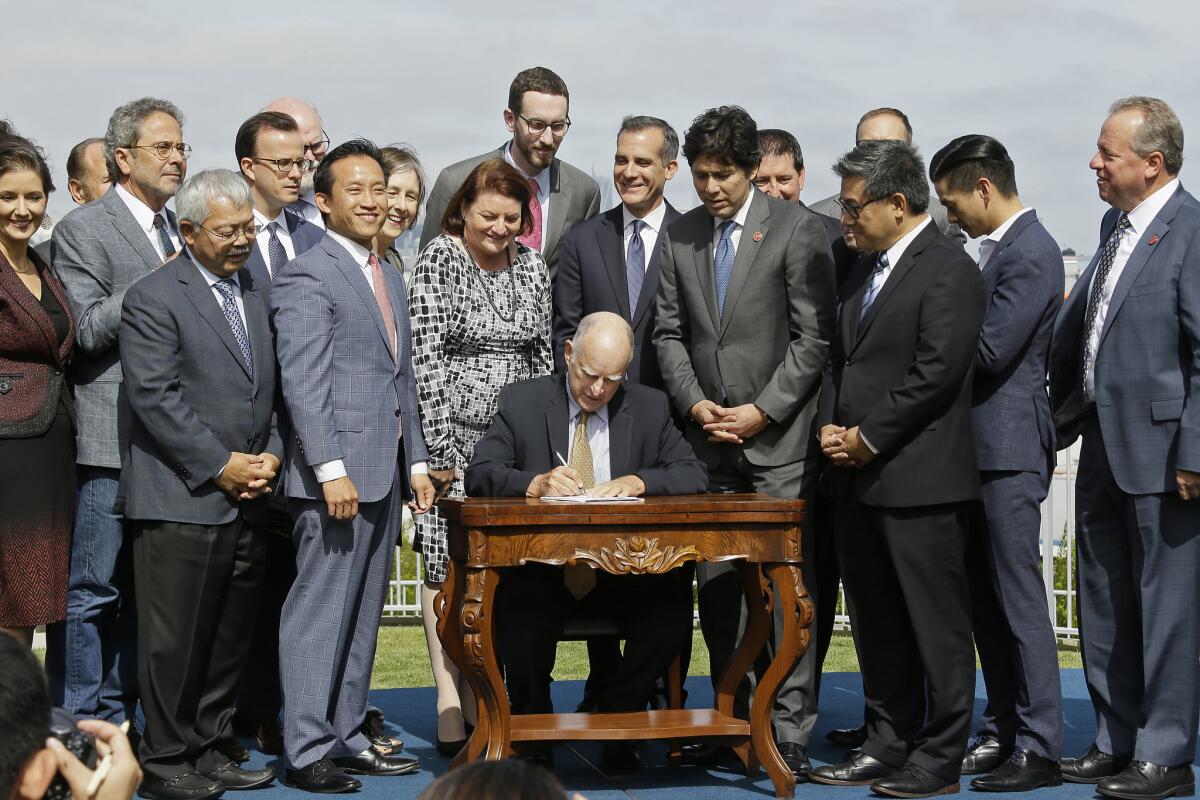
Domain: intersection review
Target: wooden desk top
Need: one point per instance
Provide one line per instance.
(690, 509)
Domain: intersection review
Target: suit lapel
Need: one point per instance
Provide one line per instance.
(1010, 236)
(256, 322)
(611, 250)
(128, 227)
(895, 278)
(620, 435)
(20, 294)
(560, 202)
(256, 266)
(200, 294)
(557, 419)
(646, 299)
(1155, 232)
(747, 251)
(398, 298)
(354, 276)
(702, 259)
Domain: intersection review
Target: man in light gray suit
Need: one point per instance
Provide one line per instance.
(202, 449)
(1124, 366)
(100, 250)
(355, 449)
(746, 309)
(538, 118)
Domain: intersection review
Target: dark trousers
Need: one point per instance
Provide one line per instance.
(533, 604)
(905, 570)
(1011, 617)
(198, 590)
(723, 612)
(261, 697)
(1139, 612)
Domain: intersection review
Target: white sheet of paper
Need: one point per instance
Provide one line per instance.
(584, 498)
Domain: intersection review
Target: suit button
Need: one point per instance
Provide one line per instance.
(397, 412)
(720, 345)
(849, 361)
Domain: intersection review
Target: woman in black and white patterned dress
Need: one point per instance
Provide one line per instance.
(480, 306)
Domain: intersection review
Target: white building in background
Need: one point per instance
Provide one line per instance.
(1072, 266)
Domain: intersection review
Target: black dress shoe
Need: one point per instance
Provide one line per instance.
(984, 754)
(1142, 780)
(620, 757)
(848, 737)
(1024, 771)
(232, 749)
(187, 786)
(450, 749)
(913, 781)
(705, 754)
(269, 737)
(859, 770)
(231, 776)
(796, 757)
(372, 762)
(321, 777)
(1092, 767)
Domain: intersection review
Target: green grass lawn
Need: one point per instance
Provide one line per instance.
(402, 660)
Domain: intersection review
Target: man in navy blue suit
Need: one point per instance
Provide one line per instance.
(1124, 363)
(1020, 740)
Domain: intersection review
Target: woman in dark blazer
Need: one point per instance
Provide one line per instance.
(37, 439)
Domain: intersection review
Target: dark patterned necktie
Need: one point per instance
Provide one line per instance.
(723, 263)
(877, 281)
(275, 249)
(229, 306)
(164, 239)
(635, 266)
(1097, 291)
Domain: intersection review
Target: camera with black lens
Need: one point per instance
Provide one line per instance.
(79, 744)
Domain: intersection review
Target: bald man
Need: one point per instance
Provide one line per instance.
(316, 145)
(619, 440)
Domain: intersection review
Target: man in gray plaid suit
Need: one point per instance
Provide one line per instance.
(356, 447)
(98, 251)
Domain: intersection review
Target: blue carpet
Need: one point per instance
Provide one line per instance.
(577, 765)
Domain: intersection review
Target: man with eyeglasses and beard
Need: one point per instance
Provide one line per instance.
(538, 118)
(316, 145)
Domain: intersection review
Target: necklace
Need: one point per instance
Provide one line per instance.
(487, 293)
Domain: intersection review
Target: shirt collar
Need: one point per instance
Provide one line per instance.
(601, 413)
(542, 178)
(212, 278)
(261, 219)
(1141, 217)
(1000, 232)
(896, 251)
(740, 216)
(142, 213)
(360, 254)
(653, 220)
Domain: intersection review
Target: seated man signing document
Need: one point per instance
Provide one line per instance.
(618, 440)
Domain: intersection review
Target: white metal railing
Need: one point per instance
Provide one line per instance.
(1058, 558)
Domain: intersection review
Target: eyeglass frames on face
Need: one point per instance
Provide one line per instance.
(163, 149)
(250, 231)
(537, 127)
(852, 208)
(284, 165)
(319, 147)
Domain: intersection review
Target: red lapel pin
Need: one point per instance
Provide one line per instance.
(758, 236)
(1153, 239)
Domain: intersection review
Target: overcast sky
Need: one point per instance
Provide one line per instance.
(1037, 75)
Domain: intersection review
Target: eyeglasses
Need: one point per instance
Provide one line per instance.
(284, 165)
(163, 149)
(537, 127)
(319, 147)
(853, 209)
(250, 231)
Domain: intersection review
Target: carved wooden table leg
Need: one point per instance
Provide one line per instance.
(792, 601)
(757, 629)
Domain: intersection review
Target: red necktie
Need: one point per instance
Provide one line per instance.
(384, 300)
(534, 237)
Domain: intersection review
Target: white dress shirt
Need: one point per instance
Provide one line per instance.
(988, 245)
(543, 183)
(894, 254)
(332, 470)
(739, 218)
(144, 216)
(1139, 220)
(263, 240)
(650, 230)
(597, 436)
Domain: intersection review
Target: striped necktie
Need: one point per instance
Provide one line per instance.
(877, 281)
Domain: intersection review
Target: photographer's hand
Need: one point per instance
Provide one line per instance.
(124, 774)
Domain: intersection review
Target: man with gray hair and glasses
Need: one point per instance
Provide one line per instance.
(201, 451)
(100, 250)
(895, 424)
(1124, 361)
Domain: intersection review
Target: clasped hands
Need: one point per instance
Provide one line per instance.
(844, 447)
(729, 425)
(248, 476)
(563, 481)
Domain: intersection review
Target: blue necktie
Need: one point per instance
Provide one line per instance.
(229, 306)
(275, 249)
(164, 239)
(1097, 291)
(723, 263)
(635, 266)
(877, 281)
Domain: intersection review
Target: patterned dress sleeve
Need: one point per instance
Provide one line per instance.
(430, 298)
(543, 352)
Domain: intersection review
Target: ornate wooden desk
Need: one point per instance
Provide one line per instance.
(486, 535)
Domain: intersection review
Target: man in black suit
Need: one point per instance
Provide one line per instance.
(781, 173)
(896, 419)
(623, 442)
